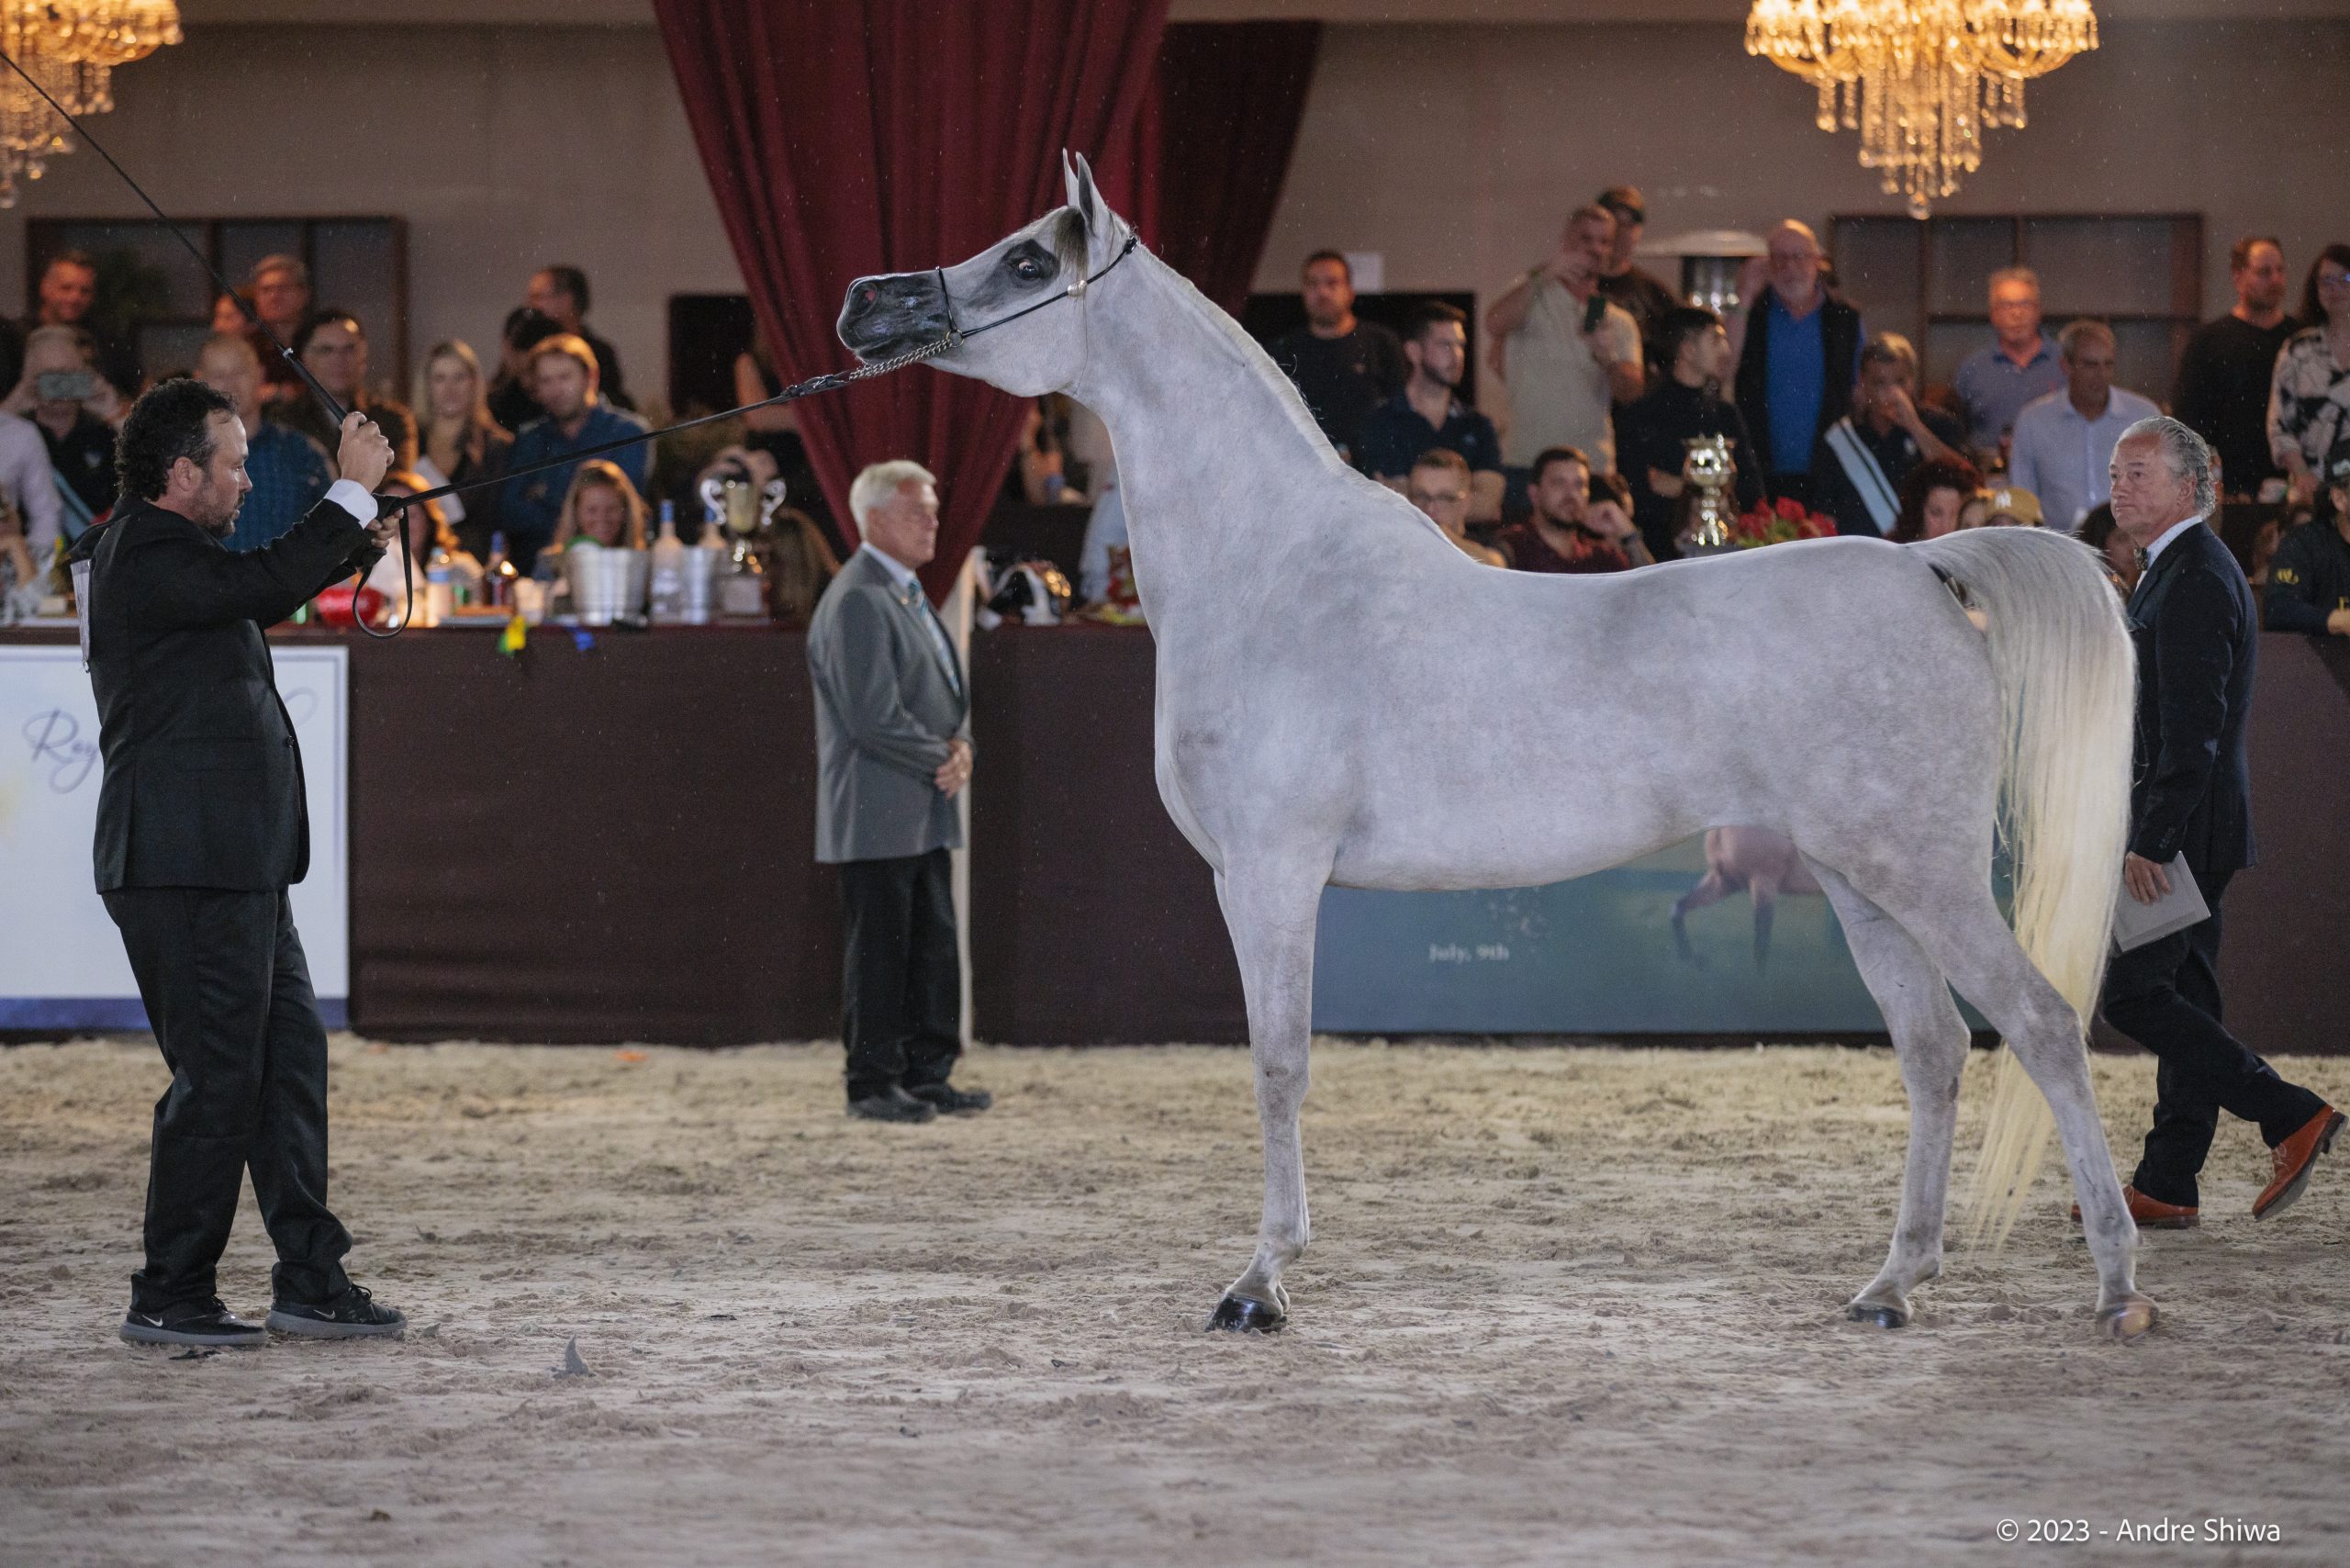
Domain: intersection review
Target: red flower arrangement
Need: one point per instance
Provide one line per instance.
(1777, 524)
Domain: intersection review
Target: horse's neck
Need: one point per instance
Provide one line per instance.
(1219, 464)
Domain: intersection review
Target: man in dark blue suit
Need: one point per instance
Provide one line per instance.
(2195, 627)
(202, 828)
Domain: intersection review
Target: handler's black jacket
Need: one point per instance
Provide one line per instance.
(203, 778)
(2193, 622)
(2309, 579)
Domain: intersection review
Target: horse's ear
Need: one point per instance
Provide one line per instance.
(1082, 193)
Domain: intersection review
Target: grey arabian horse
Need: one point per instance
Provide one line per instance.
(1314, 634)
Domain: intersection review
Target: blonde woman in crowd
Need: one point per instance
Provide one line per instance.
(458, 442)
(601, 507)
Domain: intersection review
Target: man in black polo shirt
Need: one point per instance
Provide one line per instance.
(2308, 578)
(1343, 366)
(1858, 463)
(1429, 413)
(2225, 375)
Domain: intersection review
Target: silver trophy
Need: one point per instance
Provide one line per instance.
(1706, 508)
(748, 512)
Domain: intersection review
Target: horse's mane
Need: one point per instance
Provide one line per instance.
(1228, 335)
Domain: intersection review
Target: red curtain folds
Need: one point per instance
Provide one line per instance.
(847, 136)
(1216, 133)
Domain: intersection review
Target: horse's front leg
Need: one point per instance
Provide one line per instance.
(1271, 920)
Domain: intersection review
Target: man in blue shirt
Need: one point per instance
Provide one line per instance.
(2062, 444)
(1994, 384)
(1799, 352)
(564, 378)
(287, 470)
(1429, 413)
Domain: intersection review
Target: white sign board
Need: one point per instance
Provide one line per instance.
(61, 965)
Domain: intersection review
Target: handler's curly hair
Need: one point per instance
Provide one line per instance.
(172, 421)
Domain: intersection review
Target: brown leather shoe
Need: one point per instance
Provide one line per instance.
(2294, 1158)
(2150, 1213)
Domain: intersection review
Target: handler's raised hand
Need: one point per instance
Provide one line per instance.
(365, 456)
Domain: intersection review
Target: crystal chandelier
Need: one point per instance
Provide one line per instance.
(1920, 79)
(71, 48)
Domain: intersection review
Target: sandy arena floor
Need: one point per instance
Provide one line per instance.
(1563, 1306)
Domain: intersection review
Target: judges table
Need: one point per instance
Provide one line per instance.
(610, 839)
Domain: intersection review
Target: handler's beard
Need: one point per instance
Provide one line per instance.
(216, 507)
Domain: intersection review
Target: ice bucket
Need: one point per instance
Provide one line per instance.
(605, 584)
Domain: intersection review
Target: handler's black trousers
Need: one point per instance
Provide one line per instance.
(228, 991)
(2165, 996)
(901, 988)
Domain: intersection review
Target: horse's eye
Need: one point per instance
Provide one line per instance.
(1029, 268)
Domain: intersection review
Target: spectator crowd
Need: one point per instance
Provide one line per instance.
(1611, 376)
(553, 389)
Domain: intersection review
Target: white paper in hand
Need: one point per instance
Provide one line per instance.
(2136, 924)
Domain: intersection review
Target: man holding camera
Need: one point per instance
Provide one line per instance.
(1567, 354)
(202, 828)
(75, 411)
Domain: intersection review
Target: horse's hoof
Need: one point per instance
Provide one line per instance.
(1879, 1314)
(2126, 1319)
(1245, 1314)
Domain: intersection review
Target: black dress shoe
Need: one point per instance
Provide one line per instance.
(354, 1315)
(892, 1105)
(951, 1101)
(206, 1323)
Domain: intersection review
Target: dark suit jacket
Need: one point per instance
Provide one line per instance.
(203, 778)
(2195, 627)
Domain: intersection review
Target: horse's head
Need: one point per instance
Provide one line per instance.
(894, 312)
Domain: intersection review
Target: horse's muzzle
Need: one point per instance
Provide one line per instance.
(892, 312)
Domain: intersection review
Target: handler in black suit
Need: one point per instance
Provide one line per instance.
(2195, 627)
(202, 827)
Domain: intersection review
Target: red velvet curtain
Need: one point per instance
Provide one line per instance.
(1215, 137)
(847, 136)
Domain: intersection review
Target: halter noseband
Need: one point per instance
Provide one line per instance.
(955, 338)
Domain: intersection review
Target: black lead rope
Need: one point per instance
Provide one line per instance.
(387, 505)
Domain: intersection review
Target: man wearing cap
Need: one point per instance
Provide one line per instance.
(2064, 443)
(2309, 579)
(1643, 295)
(2010, 506)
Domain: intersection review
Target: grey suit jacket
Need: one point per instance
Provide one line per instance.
(886, 707)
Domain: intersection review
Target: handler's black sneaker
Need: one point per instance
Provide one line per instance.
(205, 1324)
(893, 1105)
(950, 1101)
(354, 1315)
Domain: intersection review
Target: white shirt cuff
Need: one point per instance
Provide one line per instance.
(352, 496)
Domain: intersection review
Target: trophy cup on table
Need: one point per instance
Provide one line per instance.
(748, 512)
(1706, 508)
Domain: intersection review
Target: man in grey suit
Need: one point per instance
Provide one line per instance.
(893, 748)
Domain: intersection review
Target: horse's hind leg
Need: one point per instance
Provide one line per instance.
(1958, 923)
(1765, 896)
(1711, 890)
(1929, 1039)
(1273, 921)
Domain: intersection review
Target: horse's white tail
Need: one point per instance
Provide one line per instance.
(2067, 682)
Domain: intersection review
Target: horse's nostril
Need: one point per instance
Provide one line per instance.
(871, 294)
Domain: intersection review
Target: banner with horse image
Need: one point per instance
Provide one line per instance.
(61, 964)
(1726, 933)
